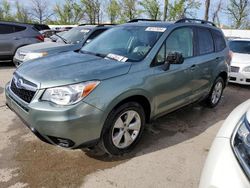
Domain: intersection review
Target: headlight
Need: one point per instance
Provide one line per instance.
(241, 145)
(246, 69)
(34, 55)
(71, 94)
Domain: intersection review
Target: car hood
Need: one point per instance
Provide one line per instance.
(239, 58)
(50, 47)
(70, 67)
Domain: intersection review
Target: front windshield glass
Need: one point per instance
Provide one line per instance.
(125, 43)
(75, 35)
(240, 46)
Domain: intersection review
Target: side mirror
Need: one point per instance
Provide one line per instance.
(173, 58)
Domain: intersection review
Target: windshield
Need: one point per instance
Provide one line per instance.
(125, 43)
(75, 35)
(240, 46)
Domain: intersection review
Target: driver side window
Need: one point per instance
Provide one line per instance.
(180, 40)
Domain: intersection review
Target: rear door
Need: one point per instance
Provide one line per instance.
(10, 36)
(204, 62)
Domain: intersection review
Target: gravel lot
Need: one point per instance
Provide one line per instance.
(171, 153)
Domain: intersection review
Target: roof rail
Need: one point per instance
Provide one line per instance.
(191, 20)
(137, 20)
(98, 25)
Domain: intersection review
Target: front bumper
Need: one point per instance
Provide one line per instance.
(239, 78)
(73, 126)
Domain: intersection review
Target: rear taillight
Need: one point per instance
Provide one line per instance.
(40, 37)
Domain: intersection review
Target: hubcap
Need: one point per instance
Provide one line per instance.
(126, 129)
(217, 91)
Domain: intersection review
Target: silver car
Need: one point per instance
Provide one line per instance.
(228, 162)
(14, 35)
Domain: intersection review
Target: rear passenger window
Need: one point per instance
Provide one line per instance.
(6, 29)
(205, 41)
(220, 43)
(19, 28)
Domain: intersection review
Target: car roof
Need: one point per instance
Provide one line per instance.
(149, 24)
(39, 27)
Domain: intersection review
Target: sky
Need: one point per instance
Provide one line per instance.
(199, 13)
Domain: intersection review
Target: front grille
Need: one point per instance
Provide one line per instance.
(247, 80)
(235, 69)
(22, 92)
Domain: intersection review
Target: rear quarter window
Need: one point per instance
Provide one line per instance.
(205, 41)
(219, 40)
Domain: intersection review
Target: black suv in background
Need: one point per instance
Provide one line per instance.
(14, 35)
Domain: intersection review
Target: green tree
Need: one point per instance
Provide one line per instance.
(5, 9)
(22, 14)
(151, 8)
(92, 9)
(207, 6)
(238, 10)
(129, 10)
(183, 8)
(113, 11)
(165, 10)
(68, 13)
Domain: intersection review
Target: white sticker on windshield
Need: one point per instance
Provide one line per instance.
(117, 57)
(156, 29)
(84, 31)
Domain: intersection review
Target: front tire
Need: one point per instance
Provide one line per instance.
(216, 93)
(123, 128)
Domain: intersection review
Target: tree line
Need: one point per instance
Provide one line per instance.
(120, 11)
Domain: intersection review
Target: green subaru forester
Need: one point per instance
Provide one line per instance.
(130, 75)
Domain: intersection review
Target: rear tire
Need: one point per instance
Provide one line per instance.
(123, 128)
(215, 94)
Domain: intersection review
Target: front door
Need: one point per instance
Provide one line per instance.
(173, 88)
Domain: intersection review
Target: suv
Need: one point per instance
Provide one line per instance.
(128, 76)
(71, 40)
(14, 35)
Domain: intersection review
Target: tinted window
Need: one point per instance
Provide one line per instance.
(76, 34)
(6, 29)
(220, 43)
(96, 33)
(180, 40)
(240, 46)
(19, 28)
(205, 41)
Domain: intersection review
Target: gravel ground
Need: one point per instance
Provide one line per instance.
(171, 154)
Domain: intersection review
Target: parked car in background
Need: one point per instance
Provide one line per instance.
(14, 35)
(228, 161)
(240, 65)
(48, 32)
(71, 40)
(56, 36)
(129, 75)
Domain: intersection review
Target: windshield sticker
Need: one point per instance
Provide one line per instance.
(84, 31)
(117, 57)
(156, 29)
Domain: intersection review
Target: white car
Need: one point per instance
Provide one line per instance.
(240, 64)
(228, 162)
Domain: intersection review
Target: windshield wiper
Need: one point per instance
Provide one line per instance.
(63, 39)
(92, 53)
